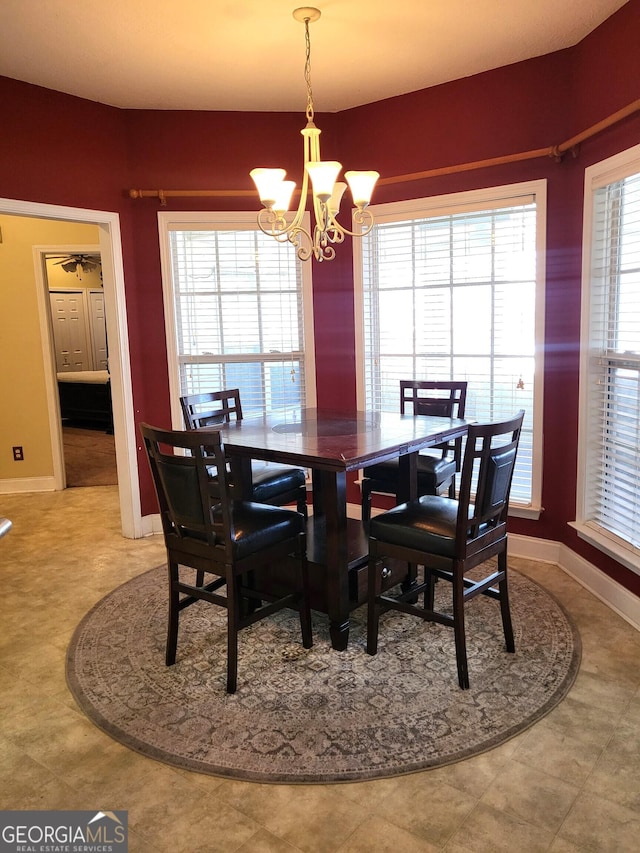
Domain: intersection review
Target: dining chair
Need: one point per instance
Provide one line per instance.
(274, 484)
(451, 537)
(206, 530)
(438, 466)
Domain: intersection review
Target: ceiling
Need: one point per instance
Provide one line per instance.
(249, 54)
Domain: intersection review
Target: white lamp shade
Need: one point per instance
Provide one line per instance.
(323, 174)
(336, 197)
(361, 185)
(283, 198)
(268, 182)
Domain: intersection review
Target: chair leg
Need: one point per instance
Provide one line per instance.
(429, 589)
(409, 581)
(366, 503)
(301, 504)
(305, 608)
(505, 610)
(174, 610)
(248, 604)
(373, 609)
(233, 621)
(458, 628)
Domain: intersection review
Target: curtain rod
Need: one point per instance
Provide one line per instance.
(555, 152)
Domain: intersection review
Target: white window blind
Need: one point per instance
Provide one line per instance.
(612, 477)
(452, 294)
(238, 315)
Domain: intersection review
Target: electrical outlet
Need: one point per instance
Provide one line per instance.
(18, 454)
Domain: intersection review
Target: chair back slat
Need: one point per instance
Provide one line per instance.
(191, 483)
(211, 409)
(438, 399)
(487, 473)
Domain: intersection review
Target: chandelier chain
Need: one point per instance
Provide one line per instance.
(307, 70)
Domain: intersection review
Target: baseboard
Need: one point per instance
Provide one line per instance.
(27, 484)
(151, 524)
(613, 594)
(529, 547)
(609, 591)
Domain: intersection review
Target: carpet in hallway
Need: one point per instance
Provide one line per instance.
(89, 457)
(316, 715)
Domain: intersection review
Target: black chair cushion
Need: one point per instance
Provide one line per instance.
(425, 524)
(272, 480)
(257, 526)
(432, 471)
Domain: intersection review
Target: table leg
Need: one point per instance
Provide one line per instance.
(408, 477)
(241, 477)
(331, 502)
(408, 491)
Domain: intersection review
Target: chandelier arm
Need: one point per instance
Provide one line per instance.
(335, 235)
(276, 226)
(304, 190)
(271, 224)
(324, 253)
(304, 248)
(299, 214)
(321, 214)
(361, 217)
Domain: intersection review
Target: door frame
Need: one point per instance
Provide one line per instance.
(110, 247)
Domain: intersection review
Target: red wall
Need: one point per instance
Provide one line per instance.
(63, 150)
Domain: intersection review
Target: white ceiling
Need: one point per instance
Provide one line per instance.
(249, 54)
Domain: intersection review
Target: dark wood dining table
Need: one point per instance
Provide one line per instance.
(331, 444)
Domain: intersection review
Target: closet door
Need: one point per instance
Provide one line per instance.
(98, 329)
(70, 331)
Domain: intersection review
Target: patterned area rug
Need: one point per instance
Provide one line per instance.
(316, 715)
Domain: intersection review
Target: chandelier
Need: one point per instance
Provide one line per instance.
(276, 193)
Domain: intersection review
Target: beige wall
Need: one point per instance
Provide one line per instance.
(24, 415)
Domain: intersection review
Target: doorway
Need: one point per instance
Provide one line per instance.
(78, 324)
(119, 365)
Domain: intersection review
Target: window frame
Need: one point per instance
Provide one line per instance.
(597, 176)
(221, 221)
(473, 201)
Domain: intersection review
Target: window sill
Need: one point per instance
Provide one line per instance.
(608, 545)
(531, 512)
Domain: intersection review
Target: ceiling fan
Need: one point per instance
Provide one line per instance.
(76, 263)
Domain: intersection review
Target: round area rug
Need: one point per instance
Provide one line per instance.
(316, 715)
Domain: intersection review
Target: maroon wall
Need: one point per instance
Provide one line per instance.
(63, 150)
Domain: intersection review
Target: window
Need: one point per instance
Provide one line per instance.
(452, 288)
(608, 510)
(237, 308)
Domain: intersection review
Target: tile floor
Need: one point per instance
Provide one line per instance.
(570, 783)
